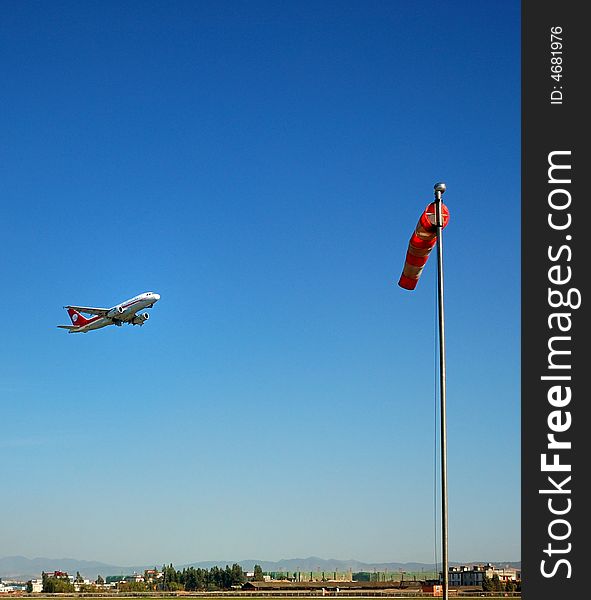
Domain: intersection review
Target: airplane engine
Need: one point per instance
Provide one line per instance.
(114, 313)
(140, 319)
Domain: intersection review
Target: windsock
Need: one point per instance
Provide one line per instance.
(421, 243)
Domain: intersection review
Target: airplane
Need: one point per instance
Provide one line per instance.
(126, 312)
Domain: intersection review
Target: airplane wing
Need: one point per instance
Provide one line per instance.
(101, 312)
(70, 327)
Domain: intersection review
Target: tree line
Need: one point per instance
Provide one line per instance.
(191, 579)
(172, 580)
(494, 584)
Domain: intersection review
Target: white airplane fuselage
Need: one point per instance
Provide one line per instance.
(125, 312)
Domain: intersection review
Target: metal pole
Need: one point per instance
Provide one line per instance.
(439, 190)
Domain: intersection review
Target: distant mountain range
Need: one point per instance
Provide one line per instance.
(19, 567)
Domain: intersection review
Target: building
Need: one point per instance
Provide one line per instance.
(79, 585)
(152, 575)
(464, 576)
(330, 586)
(57, 574)
(9, 586)
(432, 589)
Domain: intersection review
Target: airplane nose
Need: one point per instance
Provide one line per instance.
(156, 297)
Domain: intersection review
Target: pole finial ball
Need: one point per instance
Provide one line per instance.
(439, 187)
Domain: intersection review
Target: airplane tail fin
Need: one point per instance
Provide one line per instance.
(77, 319)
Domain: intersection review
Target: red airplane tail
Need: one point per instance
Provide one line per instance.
(77, 319)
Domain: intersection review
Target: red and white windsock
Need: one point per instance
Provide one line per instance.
(421, 243)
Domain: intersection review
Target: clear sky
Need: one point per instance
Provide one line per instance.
(262, 166)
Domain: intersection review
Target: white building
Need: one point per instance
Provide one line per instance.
(8, 586)
(78, 584)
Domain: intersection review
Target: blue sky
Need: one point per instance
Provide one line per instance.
(262, 166)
